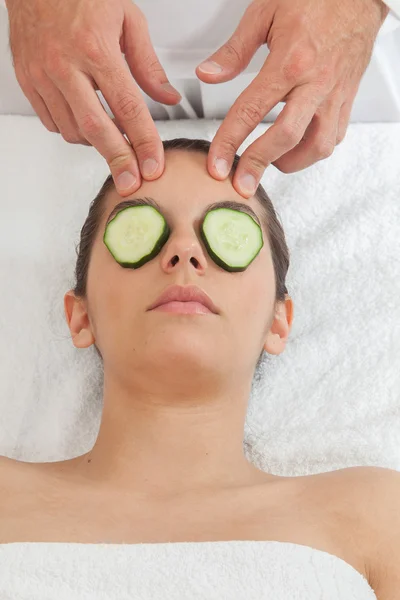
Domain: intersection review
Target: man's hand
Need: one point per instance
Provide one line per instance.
(319, 50)
(64, 50)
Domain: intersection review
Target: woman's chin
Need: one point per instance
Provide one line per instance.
(183, 352)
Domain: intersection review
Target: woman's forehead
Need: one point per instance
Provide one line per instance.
(185, 187)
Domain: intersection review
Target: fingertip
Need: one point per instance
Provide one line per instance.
(245, 184)
(220, 168)
(126, 183)
(203, 77)
(245, 194)
(171, 91)
(150, 169)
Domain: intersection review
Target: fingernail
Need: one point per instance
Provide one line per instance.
(211, 67)
(248, 183)
(126, 180)
(170, 89)
(222, 167)
(149, 167)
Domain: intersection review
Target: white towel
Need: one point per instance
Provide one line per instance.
(331, 400)
(239, 570)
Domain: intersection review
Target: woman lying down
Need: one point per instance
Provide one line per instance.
(181, 287)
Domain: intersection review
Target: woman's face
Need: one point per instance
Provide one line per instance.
(129, 335)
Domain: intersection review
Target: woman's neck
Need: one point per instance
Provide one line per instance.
(157, 445)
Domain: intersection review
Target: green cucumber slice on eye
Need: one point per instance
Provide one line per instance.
(136, 235)
(232, 238)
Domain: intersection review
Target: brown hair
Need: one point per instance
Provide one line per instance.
(276, 236)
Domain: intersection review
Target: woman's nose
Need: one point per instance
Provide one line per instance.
(182, 251)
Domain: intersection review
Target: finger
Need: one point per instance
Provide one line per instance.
(319, 139)
(58, 108)
(143, 61)
(265, 91)
(113, 119)
(235, 55)
(98, 128)
(36, 101)
(282, 136)
(123, 96)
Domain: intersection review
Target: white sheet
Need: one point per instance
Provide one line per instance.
(193, 571)
(331, 400)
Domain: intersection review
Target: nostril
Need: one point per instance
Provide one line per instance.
(193, 260)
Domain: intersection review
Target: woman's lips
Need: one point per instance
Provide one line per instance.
(187, 308)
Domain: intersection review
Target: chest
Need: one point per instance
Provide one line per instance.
(59, 514)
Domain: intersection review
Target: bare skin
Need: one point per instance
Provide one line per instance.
(48, 502)
(168, 463)
(176, 386)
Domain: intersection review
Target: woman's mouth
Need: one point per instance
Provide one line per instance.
(186, 308)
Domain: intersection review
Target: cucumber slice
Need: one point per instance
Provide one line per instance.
(232, 237)
(136, 235)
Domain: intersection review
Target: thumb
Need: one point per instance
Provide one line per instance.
(142, 58)
(234, 56)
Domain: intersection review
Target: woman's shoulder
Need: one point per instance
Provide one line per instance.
(369, 496)
(362, 493)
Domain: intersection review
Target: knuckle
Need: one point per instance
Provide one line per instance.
(290, 132)
(82, 140)
(52, 60)
(90, 124)
(228, 146)
(257, 162)
(90, 46)
(152, 66)
(250, 113)
(323, 148)
(57, 69)
(284, 167)
(129, 108)
(145, 145)
(48, 123)
(120, 160)
(301, 61)
(72, 137)
(234, 50)
(51, 127)
(300, 20)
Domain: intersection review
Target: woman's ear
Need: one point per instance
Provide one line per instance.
(78, 320)
(280, 327)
